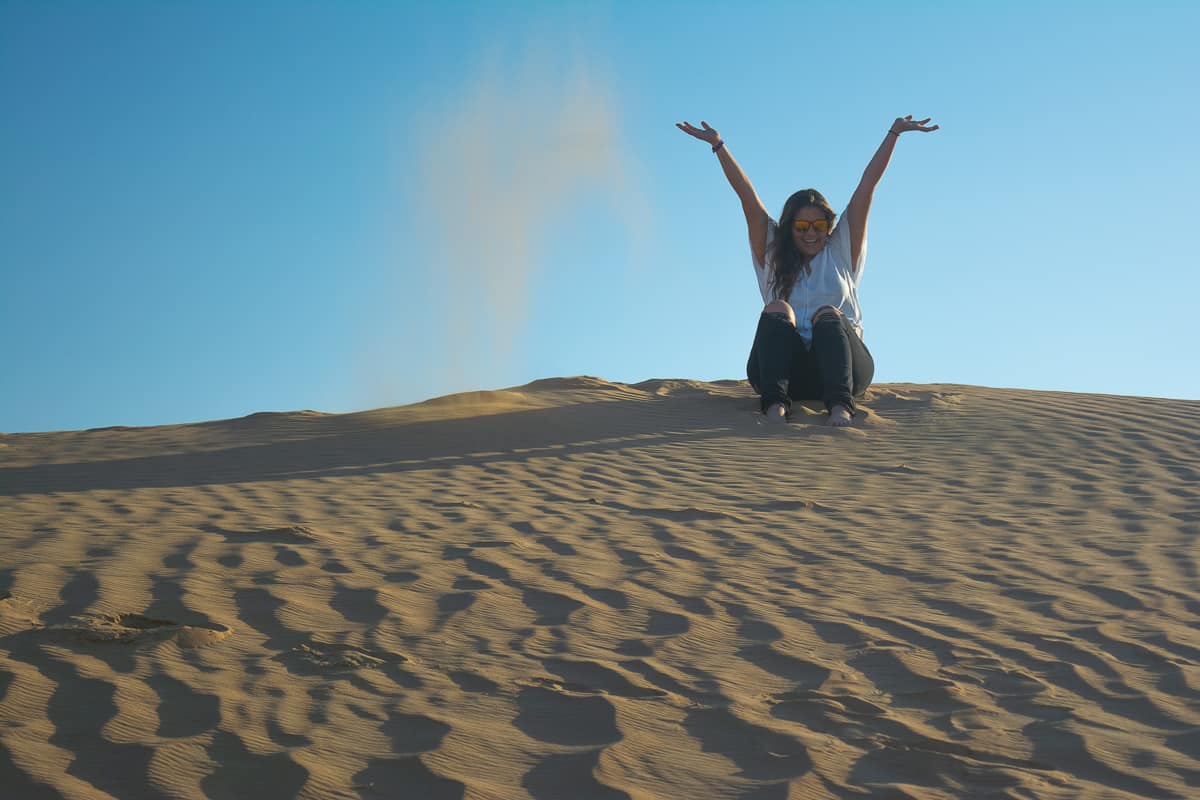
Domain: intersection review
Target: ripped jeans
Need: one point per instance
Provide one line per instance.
(836, 368)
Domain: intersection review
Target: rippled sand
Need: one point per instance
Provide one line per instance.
(580, 589)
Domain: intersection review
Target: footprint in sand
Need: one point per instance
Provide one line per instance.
(288, 534)
(310, 658)
(899, 469)
(812, 707)
(790, 505)
(136, 629)
(682, 514)
(5, 601)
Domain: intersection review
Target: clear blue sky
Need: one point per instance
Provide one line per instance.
(216, 208)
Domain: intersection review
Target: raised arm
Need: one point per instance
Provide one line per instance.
(752, 207)
(860, 201)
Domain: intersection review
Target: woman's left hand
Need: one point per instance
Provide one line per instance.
(903, 124)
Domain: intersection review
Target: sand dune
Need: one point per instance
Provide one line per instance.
(582, 589)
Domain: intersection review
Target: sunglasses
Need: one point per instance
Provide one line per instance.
(802, 226)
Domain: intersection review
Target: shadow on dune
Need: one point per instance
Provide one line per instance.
(346, 446)
(569, 775)
(20, 783)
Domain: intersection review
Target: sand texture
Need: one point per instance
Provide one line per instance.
(586, 590)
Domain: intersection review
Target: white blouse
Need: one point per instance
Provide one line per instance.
(832, 280)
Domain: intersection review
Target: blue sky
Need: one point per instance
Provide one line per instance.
(212, 209)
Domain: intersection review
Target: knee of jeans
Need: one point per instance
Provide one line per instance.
(781, 307)
(826, 314)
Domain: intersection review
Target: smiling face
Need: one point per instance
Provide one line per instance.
(810, 241)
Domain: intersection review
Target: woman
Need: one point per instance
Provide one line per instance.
(809, 341)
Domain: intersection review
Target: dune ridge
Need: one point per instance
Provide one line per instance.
(585, 589)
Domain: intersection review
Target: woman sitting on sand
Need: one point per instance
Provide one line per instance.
(809, 341)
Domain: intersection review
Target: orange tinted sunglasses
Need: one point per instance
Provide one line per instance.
(802, 225)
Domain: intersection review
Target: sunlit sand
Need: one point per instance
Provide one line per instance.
(585, 589)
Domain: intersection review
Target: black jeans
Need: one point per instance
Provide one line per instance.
(836, 369)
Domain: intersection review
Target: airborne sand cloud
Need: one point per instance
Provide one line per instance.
(498, 164)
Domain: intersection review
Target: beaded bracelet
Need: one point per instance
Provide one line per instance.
(718, 145)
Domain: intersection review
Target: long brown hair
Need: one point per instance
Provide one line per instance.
(782, 256)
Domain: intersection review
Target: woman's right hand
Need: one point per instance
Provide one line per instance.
(706, 134)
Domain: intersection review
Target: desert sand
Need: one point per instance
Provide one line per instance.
(584, 589)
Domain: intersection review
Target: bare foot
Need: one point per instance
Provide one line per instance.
(839, 416)
(777, 413)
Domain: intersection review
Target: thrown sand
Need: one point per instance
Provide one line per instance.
(580, 589)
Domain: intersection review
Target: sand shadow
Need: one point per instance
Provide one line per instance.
(340, 446)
